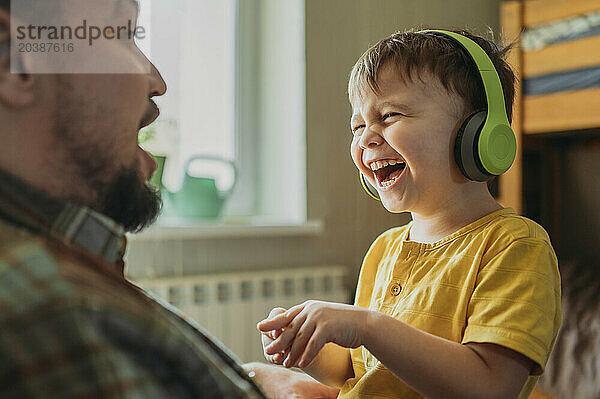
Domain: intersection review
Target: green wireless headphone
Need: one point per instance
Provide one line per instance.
(485, 144)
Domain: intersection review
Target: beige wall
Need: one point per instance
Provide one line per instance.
(337, 32)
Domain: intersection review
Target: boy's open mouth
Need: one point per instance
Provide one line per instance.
(387, 172)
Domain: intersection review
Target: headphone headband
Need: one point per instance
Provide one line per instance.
(489, 76)
(497, 145)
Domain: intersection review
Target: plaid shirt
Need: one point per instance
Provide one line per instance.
(72, 326)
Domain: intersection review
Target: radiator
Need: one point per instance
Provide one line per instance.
(229, 305)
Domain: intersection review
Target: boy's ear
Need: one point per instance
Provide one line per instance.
(16, 89)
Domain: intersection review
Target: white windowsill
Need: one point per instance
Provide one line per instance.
(250, 229)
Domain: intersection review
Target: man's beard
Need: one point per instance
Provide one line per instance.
(129, 201)
(125, 198)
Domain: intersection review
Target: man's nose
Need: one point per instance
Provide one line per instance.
(370, 138)
(158, 86)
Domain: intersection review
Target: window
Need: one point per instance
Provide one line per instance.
(235, 76)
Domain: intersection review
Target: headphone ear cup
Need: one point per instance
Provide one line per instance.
(457, 147)
(466, 151)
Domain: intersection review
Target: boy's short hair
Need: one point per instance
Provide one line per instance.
(412, 53)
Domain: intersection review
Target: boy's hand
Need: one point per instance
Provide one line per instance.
(309, 326)
(268, 337)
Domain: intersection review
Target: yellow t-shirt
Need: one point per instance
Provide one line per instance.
(495, 280)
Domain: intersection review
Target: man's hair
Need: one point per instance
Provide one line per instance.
(413, 53)
(5, 4)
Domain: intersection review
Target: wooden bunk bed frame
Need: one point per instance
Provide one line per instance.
(572, 110)
(563, 112)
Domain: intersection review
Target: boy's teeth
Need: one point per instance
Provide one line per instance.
(382, 164)
(379, 164)
(388, 182)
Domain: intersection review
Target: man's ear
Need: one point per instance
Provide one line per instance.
(16, 89)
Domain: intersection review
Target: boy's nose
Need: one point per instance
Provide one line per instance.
(370, 139)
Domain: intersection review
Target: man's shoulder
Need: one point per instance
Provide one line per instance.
(29, 275)
(25, 254)
(12, 236)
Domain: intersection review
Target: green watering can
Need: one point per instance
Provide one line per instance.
(156, 179)
(199, 197)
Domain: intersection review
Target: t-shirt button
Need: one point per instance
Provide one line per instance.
(395, 289)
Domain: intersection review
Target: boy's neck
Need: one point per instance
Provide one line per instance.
(450, 217)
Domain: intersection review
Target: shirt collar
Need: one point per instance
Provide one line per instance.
(75, 225)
